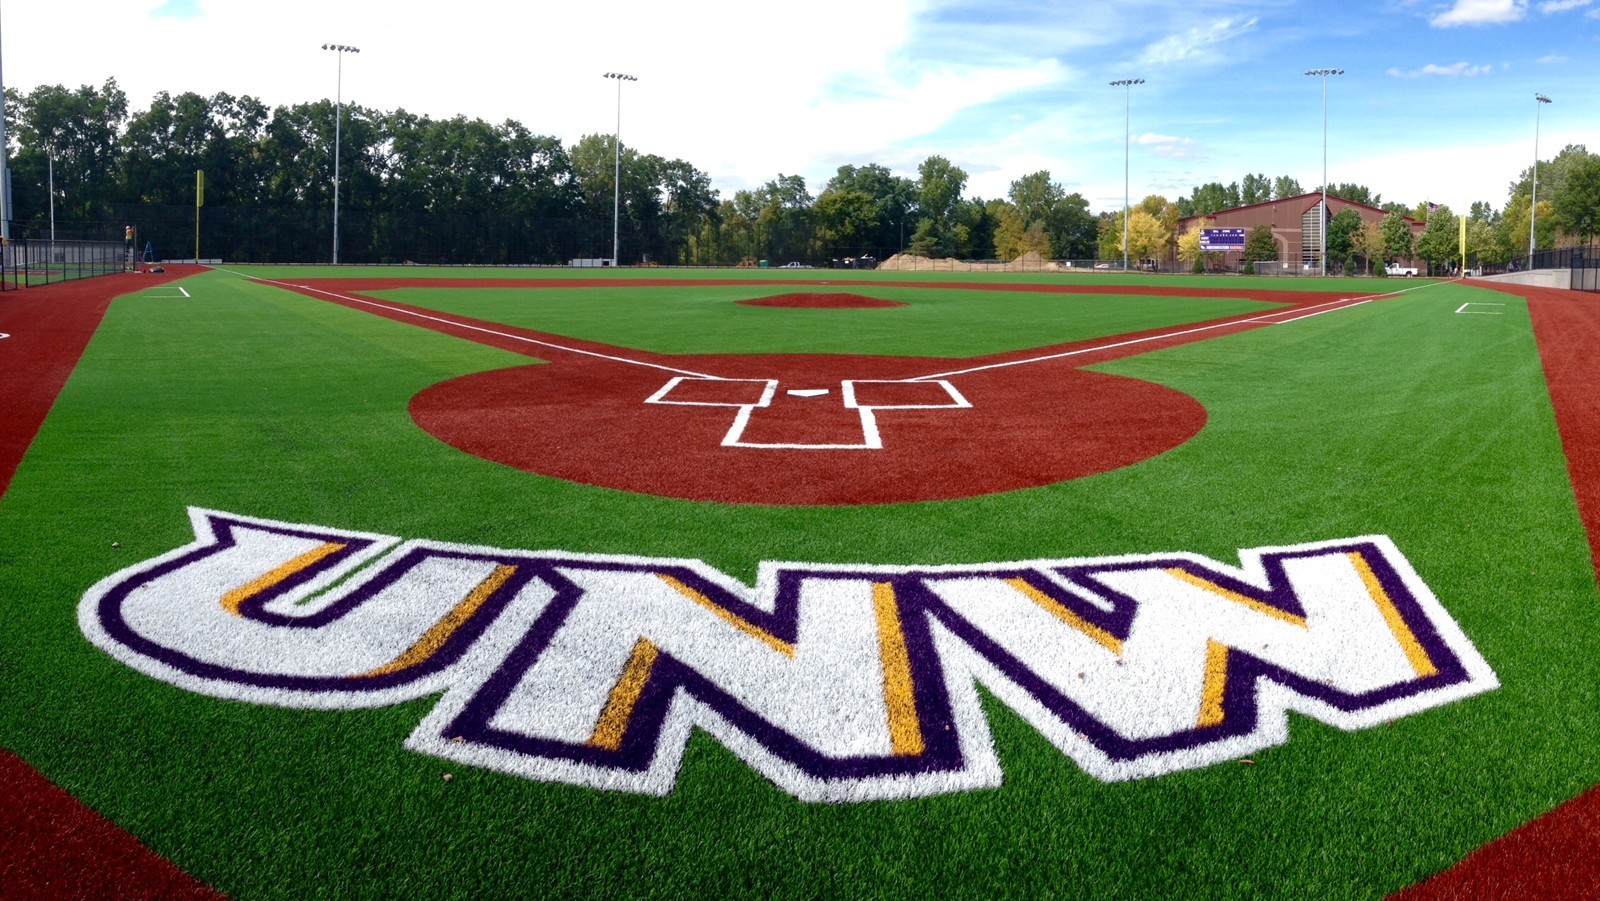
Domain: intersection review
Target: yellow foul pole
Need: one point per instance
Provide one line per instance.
(199, 201)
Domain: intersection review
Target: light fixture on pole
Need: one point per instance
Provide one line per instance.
(1539, 100)
(1127, 104)
(1322, 229)
(338, 123)
(616, 193)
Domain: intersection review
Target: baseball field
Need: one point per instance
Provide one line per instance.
(383, 582)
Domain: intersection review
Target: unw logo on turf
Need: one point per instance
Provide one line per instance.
(838, 683)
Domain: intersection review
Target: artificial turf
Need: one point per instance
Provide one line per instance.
(1398, 417)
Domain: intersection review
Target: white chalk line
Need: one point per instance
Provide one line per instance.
(1267, 319)
(476, 328)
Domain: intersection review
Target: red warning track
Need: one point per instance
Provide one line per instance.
(808, 428)
(51, 845)
(1554, 855)
(47, 329)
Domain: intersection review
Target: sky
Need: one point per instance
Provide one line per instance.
(1436, 101)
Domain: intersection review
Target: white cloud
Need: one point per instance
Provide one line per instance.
(1196, 44)
(1170, 147)
(1481, 12)
(1455, 70)
(1560, 6)
(1550, 58)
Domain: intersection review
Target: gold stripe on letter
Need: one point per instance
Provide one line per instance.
(1216, 681)
(613, 722)
(1236, 597)
(235, 599)
(1106, 640)
(743, 625)
(899, 694)
(1415, 653)
(434, 639)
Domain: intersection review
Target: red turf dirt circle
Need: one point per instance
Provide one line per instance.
(812, 301)
(651, 431)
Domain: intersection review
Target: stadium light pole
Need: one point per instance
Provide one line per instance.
(1322, 229)
(616, 178)
(1127, 133)
(5, 172)
(1539, 100)
(338, 123)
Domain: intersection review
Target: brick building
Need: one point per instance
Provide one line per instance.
(1296, 224)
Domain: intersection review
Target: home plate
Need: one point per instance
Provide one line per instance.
(807, 392)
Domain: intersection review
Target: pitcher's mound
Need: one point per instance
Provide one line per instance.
(822, 302)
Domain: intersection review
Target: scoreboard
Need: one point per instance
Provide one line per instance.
(1221, 239)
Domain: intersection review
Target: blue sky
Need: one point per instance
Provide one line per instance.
(1436, 103)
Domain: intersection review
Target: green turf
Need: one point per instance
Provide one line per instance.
(934, 322)
(1396, 417)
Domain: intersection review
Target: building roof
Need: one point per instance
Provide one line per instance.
(1304, 202)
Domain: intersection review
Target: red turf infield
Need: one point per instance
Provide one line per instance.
(806, 429)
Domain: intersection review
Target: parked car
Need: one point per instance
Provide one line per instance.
(1397, 269)
(795, 266)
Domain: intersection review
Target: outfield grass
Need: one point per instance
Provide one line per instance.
(1396, 417)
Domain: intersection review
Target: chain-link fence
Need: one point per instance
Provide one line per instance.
(28, 262)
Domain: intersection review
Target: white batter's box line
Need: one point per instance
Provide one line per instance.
(957, 399)
(871, 439)
(1479, 303)
(182, 294)
(660, 397)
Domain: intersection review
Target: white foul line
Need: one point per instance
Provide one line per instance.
(475, 328)
(1329, 307)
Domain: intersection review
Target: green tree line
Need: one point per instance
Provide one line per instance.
(462, 190)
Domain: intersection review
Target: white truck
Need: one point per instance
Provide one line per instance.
(1397, 269)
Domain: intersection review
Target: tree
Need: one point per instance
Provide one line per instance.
(847, 221)
(1255, 189)
(1035, 196)
(79, 130)
(1165, 211)
(1189, 245)
(1577, 206)
(1260, 245)
(1065, 218)
(1370, 244)
(1212, 197)
(1397, 238)
(1284, 186)
(1514, 225)
(1483, 242)
(939, 187)
(1441, 240)
(1072, 228)
(1552, 173)
(1147, 237)
(1342, 233)
(894, 197)
(1355, 194)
